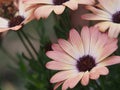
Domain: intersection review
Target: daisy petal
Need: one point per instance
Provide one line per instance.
(57, 85)
(110, 61)
(59, 66)
(59, 9)
(46, 9)
(61, 57)
(93, 17)
(86, 41)
(56, 47)
(68, 48)
(63, 75)
(85, 79)
(76, 41)
(3, 23)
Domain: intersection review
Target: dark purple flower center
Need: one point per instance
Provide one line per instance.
(16, 21)
(116, 17)
(59, 2)
(85, 63)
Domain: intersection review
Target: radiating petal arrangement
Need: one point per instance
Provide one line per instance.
(21, 17)
(80, 58)
(58, 6)
(84, 56)
(108, 13)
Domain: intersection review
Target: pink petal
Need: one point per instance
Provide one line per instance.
(68, 48)
(94, 74)
(102, 70)
(59, 66)
(86, 41)
(85, 79)
(103, 26)
(109, 6)
(59, 9)
(61, 57)
(16, 27)
(72, 82)
(72, 4)
(114, 30)
(93, 17)
(76, 41)
(47, 9)
(109, 49)
(56, 47)
(110, 61)
(63, 75)
(99, 12)
(89, 2)
(38, 2)
(3, 24)
(57, 85)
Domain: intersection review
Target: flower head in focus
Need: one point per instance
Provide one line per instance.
(45, 7)
(108, 12)
(84, 56)
(21, 17)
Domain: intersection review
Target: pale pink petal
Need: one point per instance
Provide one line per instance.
(102, 70)
(99, 12)
(72, 82)
(86, 41)
(94, 74)
(89, 2)
(110, 61)
(61, 57)
(103, 26)
(72, 4)
(94, 17)
(63, 75)
(3, 23)
(38, 1)
(59, 9)
(4, 29)
(108, 49)
(47, 9)
(85, 79)
(109, 6)
(76, 41)
(59, 66)
(114, 30)
(68, 48)
(57, 85)
(56, 47)
(16, 27)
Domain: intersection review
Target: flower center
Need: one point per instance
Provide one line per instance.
(116, 17)
(85, 63)
(16, 21)
(59, 2)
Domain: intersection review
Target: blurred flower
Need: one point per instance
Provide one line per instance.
(45, 7)
(109, 13)
(22, 17)
(81, 57)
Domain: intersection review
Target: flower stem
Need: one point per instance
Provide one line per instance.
(98, 85)
(29, 42)
(22, 40)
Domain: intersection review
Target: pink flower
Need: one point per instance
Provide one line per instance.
(108, 12)
(45, 7)
(22, 17)
(84, 56)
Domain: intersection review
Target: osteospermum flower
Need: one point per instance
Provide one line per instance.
(22, 17)
(82, 57)
(45, 7)
(109, 13)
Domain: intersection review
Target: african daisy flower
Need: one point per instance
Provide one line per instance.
(45, 7)
(109, 13)
(82, 57)
(22, 17)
